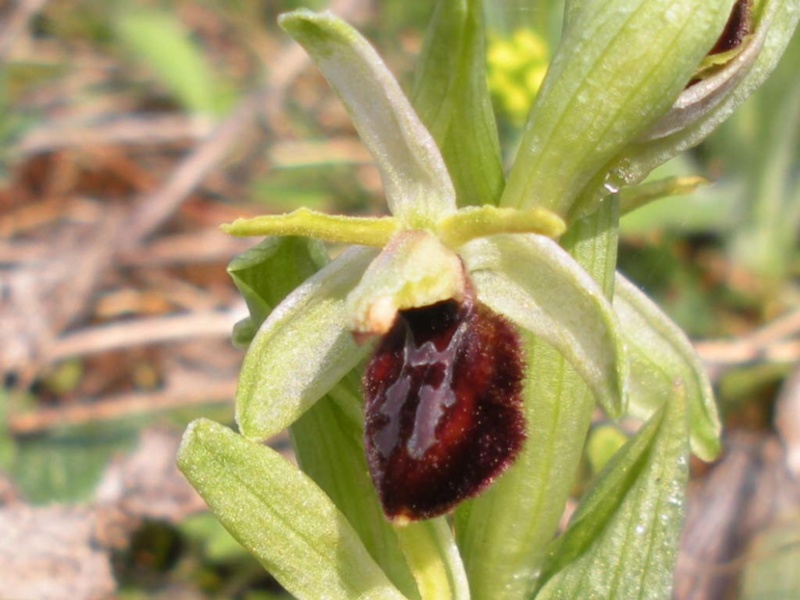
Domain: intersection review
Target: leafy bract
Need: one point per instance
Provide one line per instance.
(697, 115)
(599, 96)
(660, 355)
(416, 182)
(554, 298)
(280, 515)
(301, 350)
(622, 541)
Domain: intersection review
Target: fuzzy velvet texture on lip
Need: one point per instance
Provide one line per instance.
(443, 407)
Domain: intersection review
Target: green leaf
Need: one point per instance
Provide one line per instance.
(66, 466)
(417, 186)
(280, 515)
(452, 98)
(623, 540)
(599, 95)
(161, 42)
(267, 272)
(660, 355)
(503, 534)
(301, 351)
(537, 285)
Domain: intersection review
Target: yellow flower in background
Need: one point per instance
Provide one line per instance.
(516, 68)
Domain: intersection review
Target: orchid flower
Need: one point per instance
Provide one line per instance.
(485, 318)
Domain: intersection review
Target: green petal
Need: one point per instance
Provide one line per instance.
(535, 283)
(301, 350)
(280, 515)
(418, 188)
(451, 91)
(620, 66)
(660, 355)
(622, 542)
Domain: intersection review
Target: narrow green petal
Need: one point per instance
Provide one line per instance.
(280, 515)
(660, 354)
(417, 185)
(622, 542)
(301, 350)
(452, 98)
(620, 66)
(340, 229)
(537, 285)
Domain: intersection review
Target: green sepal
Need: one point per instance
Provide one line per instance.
(623, 540)
(660, 355)
(452, 98)
(267, 272)
(555, 299)
(280, 516)
(415, 179)
(301, 350)
(503, 534)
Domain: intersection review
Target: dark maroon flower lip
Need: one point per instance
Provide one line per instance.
(443, 407)
(739, 26)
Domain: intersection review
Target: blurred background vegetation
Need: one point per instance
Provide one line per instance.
(130, 130)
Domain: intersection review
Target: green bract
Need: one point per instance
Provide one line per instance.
(539, 250)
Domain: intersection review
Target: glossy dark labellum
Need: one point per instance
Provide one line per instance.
(444, 409)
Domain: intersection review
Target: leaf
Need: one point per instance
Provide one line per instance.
(162, 43)
(417, 185)
(279, 515)
(660, 355)
(66, 466)
(452, 98)
(267, 272)
(301, 350)
(622, 542)
(503, 534)
(598, 96)
(536, 284)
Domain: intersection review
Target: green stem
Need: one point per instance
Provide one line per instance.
(431, 553)
(363, 231)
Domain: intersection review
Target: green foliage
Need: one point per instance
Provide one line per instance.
(160, 42)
